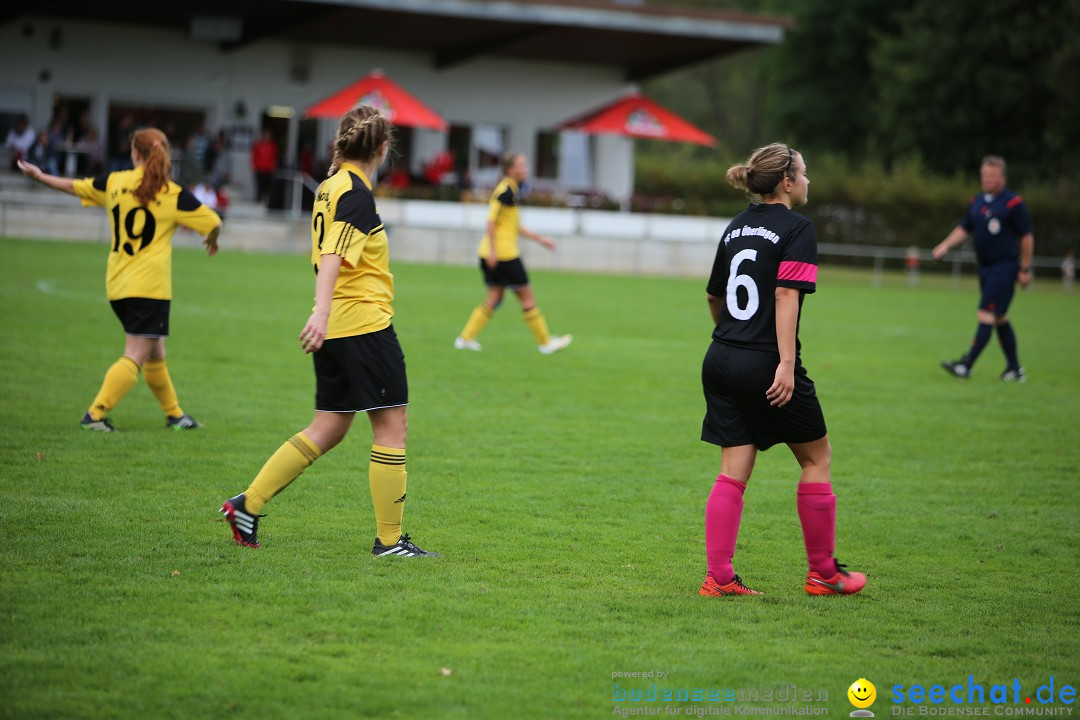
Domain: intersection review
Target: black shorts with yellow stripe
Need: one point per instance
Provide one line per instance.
(360, 373)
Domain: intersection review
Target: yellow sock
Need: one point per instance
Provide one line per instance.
(282, 468)
(477, 321)
(536, 322)
(119, 379)
(387, 476)
(156, 374)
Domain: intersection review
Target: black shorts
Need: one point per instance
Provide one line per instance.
(143, 317)
(737, 411)
(997, 285)
(506, 273)
(360, 373)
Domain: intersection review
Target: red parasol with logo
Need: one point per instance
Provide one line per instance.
(639, 117)
(379, 91)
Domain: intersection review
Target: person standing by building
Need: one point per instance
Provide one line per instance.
(1004, 243)
(264, 162)
(144, 208)
(757, 392)
(359, 365)
(501, 266)
(20, 138)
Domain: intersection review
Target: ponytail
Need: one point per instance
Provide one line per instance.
(153, 147)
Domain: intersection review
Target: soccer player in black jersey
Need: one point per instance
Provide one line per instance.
(998, 220)
(757, 392)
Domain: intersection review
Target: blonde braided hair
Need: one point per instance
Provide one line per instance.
(361, 133)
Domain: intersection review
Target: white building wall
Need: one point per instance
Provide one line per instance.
(149, 66)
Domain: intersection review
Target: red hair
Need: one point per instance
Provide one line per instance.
(153, 147)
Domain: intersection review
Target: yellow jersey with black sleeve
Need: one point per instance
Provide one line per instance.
(345, 222)
(140, 256)
(503, 210)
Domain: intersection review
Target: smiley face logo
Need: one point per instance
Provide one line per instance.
(862, 693)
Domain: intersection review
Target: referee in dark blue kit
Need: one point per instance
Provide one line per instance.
(998, 219)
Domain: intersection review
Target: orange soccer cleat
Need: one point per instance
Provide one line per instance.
(841, 583)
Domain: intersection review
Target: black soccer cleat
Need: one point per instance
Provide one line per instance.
(403, 548)
(957, 368)
(102, 425)
(184, 422)
(245, 526)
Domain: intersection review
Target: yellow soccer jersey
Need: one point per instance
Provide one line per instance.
(503, 210)
(140, 257)
(345, 222)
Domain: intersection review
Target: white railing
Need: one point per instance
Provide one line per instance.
(447, 233)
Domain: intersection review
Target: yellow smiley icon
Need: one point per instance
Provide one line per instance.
(862, 693)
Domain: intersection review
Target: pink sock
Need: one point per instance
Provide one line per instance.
(817, 513)
(722, 515)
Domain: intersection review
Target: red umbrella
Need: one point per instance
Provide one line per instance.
(637, 116)
(380, 92)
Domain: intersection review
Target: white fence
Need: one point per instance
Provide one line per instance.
(448, 233)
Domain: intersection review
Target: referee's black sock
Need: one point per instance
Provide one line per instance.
(1007, 338)
(982, 336)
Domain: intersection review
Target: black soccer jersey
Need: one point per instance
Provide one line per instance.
(765, 247)
(997, 222)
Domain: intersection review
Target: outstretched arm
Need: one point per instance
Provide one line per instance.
(537, 238)
(210, 241)
(33, 172)
(953, 239)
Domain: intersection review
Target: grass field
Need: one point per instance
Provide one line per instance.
(566, 493)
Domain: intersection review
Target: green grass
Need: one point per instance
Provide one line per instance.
(565, 492)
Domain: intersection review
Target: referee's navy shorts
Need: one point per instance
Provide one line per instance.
(738, 413)
(360, 373)
(997, 285)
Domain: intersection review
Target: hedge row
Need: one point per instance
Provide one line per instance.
(904, 207)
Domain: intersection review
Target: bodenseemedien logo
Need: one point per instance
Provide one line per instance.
(862, 695)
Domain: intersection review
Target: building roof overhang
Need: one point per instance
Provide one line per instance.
(641, 40)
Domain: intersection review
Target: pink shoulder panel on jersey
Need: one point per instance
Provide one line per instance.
(797, 271)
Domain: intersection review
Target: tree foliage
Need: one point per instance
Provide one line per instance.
(820, 81)
(893, 80)
(964, 78)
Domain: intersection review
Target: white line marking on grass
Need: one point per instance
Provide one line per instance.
(48, 287)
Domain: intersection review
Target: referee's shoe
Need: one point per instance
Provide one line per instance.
(402, 548)
(957, 368)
